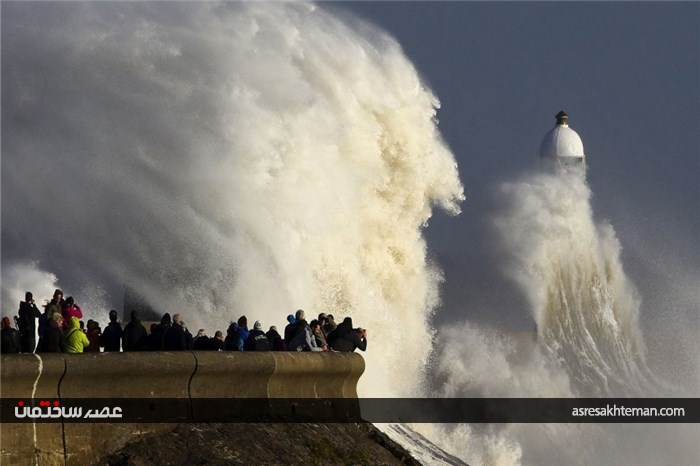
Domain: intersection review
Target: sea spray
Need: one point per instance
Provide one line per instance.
(225, 159)
(587, 340)
(569, 269)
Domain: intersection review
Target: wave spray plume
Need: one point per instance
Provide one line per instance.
(228, 159)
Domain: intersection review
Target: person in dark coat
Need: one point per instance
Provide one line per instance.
(174, 338)
(201, 341)
(9, 338)
(329, 325)
(289, 329)
(275, 339)
(158, 332)
(55, 306)
(51, 342)
(236, 335)
(112, 334)
(257, 341)
(346, 339)
(298, 326)
(28, 313)
(134, 335)
(230, 336)
(241, 335)
(217, 343)
(188, 336)
(94, 334)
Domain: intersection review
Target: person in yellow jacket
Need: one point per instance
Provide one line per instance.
(74, 340)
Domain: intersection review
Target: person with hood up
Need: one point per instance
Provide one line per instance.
(74, 341)
(275, 339)
(241, 334)
(346, 339)
(158, 332)
(230, 335)
(28, 313)
(134, 335)
(289, 329)
(94, 332)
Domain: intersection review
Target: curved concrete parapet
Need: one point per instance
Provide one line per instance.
(120, 375)
(230, 374)
(324, 375)
(188, 377)
(31, 376)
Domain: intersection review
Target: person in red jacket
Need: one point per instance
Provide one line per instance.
(70, 310)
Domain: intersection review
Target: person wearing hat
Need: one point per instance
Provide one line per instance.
(28, 313)
(257, 341)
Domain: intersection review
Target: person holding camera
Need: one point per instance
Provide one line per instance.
(28, 313)
(346, 339)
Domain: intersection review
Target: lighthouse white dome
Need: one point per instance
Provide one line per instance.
(562, 146)
(562, 141)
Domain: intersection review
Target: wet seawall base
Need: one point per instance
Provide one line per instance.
(146, 393)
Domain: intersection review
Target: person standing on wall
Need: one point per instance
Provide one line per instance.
(28, 313)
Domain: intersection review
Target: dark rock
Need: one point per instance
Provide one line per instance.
(246, 444)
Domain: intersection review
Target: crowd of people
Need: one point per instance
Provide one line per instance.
(61, 329)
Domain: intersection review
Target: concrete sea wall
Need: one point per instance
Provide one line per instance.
(189, 375)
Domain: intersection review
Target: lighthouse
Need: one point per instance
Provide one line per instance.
(562, 146)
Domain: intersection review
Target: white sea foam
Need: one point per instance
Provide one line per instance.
(228, 159)
(569, 268)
